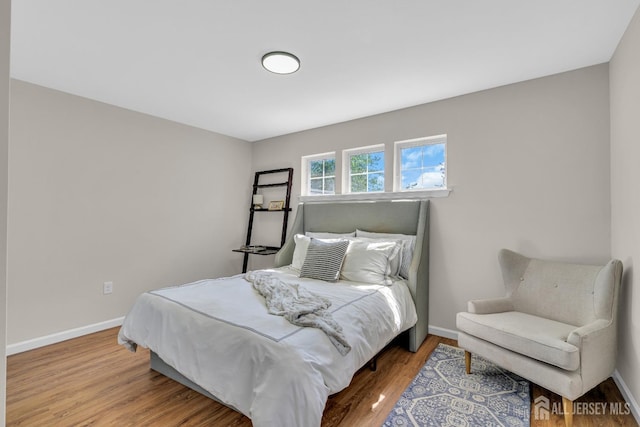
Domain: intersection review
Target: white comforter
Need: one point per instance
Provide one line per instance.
(219, 334)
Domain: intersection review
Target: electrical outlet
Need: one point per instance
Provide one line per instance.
(107, 288)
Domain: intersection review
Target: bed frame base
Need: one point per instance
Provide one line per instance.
(157, 364)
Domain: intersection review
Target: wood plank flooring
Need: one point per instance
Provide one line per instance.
(92, 380)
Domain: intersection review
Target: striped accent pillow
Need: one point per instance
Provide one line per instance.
(324, 260)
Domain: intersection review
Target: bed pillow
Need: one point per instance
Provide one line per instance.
(324, 260)
(395, 260)
(326, 235)
(408, 246)
(300, 251)
(370, 260)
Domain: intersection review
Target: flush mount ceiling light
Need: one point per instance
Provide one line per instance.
(280, 62)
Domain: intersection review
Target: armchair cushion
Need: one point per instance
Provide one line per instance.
(536, 337)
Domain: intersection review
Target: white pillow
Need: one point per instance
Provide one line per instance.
(408, 246)
(300, 251)
(395, 260)
(369, 261)
(323, 235)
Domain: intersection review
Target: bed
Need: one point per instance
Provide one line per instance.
(217, 337)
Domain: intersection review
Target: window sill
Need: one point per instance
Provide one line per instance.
(396, 195)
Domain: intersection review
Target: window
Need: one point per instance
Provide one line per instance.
(419, 167)
(366, 169)
(319, 173)
(421, 164)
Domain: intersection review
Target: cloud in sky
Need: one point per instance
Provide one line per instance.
(430, 180)
(426, 178)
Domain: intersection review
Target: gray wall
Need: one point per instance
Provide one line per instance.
(625, 195)
(98, 193)
(529, 167)
(5, 18)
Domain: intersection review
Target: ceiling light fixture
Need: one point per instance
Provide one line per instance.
(280, 62)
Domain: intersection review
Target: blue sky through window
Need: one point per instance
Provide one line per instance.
(423, 166)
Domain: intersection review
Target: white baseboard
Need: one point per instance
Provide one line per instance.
(62, 336)
(626, 393)
(443, 332)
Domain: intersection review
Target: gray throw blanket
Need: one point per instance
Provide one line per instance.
(299, 306)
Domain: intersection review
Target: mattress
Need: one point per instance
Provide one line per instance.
(218, 334)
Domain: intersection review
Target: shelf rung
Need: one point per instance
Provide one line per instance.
(277, 184)
(274, 171)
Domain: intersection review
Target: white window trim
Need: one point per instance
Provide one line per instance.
(403, 195)
(346, 165)
(304, 169)
(416, 142)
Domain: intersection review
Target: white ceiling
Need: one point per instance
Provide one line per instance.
(198, 61)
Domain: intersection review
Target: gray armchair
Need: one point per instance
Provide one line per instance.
(555, 327)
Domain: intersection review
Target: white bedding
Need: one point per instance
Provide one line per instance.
(218, 334)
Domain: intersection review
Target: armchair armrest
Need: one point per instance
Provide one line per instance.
(589, 334)
(491, 305)
(597, 344)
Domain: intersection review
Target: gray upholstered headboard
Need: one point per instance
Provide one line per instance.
(405, 217)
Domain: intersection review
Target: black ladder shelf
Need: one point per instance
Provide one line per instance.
(248, 249)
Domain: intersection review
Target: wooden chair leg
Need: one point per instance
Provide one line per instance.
(567, 408)
(373, 364)
(467, 361)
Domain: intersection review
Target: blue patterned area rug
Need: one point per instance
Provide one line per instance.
(442, 394)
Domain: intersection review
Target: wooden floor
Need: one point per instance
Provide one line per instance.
(93, 381)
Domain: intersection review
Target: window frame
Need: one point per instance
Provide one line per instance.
(306, 173)
(346, 167)
(416, 142)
